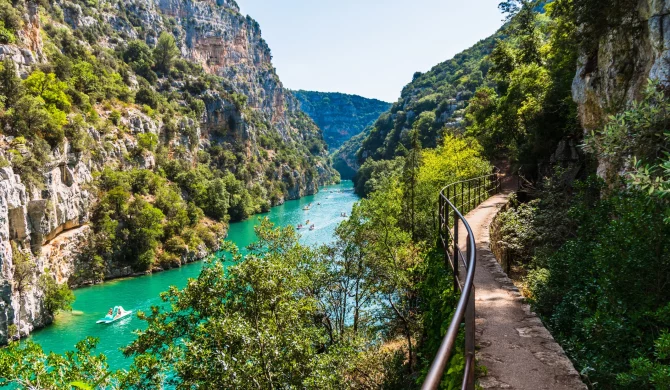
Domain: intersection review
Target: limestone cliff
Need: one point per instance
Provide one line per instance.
(250, 127)
(615, 73)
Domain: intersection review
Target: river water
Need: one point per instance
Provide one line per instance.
(141, 293)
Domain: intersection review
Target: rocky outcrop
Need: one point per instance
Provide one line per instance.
(615, 75)
(14, 226)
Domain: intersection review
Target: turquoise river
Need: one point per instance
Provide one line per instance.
(141, 293)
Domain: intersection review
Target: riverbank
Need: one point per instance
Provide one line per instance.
(190, 256)
(140, 293)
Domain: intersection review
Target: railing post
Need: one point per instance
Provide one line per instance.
(446, 213)
(455, 258)
(469, 195)
(479, 191)
(469, 380)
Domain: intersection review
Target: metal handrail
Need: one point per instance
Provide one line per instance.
(484, 187)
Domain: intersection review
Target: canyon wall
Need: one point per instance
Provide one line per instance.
(617, 72)
(49, 223)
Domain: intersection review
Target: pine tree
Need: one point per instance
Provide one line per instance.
(165, 52)
(410, 180)
(10, 83)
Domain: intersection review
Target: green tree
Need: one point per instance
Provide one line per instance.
(25, 365)
(57, 297)
(165, 52)
(410, 181)
(251, 325)
(645, 371)
(10, 83)
(49, 88)
(84, 78)
(145, 228)
(23, 278)
(147, 141)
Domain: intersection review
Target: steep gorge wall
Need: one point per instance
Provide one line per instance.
(615, 76)
(51, 222)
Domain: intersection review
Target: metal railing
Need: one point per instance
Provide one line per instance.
(450, 215)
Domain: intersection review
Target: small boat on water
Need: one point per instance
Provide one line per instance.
(311, 227)
(306, 208)
(114, 314)
(299, 226)
(307, 223)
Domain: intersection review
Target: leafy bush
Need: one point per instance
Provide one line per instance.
(57, 297)
(603, 292)
(148, 96)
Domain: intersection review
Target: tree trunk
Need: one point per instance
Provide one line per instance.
(18, 319)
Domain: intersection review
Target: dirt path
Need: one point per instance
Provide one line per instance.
(513, 344)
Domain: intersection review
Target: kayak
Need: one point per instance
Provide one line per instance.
(115, 316)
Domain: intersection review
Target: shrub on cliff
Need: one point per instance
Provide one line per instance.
(165, 52)
(57, 297)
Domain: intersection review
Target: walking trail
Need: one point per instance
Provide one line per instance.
(513, 344)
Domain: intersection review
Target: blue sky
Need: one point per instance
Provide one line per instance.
(367, 47)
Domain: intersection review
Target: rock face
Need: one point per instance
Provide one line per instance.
(339, 115)
(51, 223)
(627, 56)
(21, 218)
(344, 158)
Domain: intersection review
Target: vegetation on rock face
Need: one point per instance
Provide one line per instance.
(345, 121)
(432, 103)
(175, 150)
(340, 116)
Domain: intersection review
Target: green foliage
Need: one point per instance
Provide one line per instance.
(25, 365)
(458, 158)
(148, 97)
(642, 131)
(147, 141)
(10, 83)
(57, 297)
(598, 18)
(140, 58)
(372, 172)
(257, 305)
(10, 21)
(165, 52)
(141, 216)
(47, 87)
(530, 109)
(76, 132)
(584, 256)
(6, 35)
(390, 232)
(645, 371)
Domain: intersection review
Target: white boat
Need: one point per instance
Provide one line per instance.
(117, 314)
